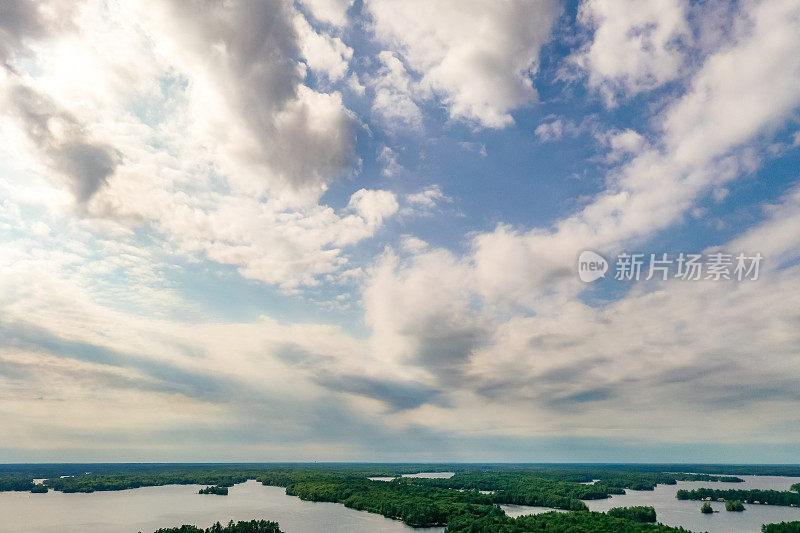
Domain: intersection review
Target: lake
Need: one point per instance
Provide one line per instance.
(149, 508)
(424, 475)
(674, 512)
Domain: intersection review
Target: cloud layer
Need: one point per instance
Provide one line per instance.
(299, 226)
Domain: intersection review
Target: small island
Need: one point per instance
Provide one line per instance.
(639, 513)
(253, 526)
(706, 508)
(215, 489)
(734, 505)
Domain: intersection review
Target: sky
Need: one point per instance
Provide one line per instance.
(349, 230)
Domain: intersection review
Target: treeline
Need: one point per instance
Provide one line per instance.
(707, 477)
(102, 482)
(554, 522)
(100, 477)
(782, 527)
(609, 481)
(254, 526)
(770, 497)
(796, 487)
(215, 489)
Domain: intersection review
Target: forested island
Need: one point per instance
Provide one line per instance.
(637, 513)
(734, 505)
(580, 521)
(214, 489)
(769, 497)
(253, 526)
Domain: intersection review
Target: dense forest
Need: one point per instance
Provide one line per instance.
(415, 505)
(771, 497)
(12, 482)
(581, 521)
(254, 526)
(783, 527)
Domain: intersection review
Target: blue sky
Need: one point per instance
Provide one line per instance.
(348, 230)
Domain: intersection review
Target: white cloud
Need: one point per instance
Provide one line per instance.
(374, 206)
(323, 53)
(330, 11)
(501, 326)
(428, 198)
(391, 167)
(395, 94)
(623, 143)
(636, 45)
(483, 72)
(154, 117)
(247, 95)
(737, 94)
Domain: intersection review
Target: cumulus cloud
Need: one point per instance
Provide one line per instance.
(636, 45)
(374, 206)
(482, 72)
(247, 90)
(428, 197)
(179, 118)
(395, 94)
(419, 313)
(515, 291)
(323, 53)
(700, 146)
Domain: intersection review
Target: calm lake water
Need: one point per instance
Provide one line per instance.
(149, 508)
(674, 512)
(427, 475)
